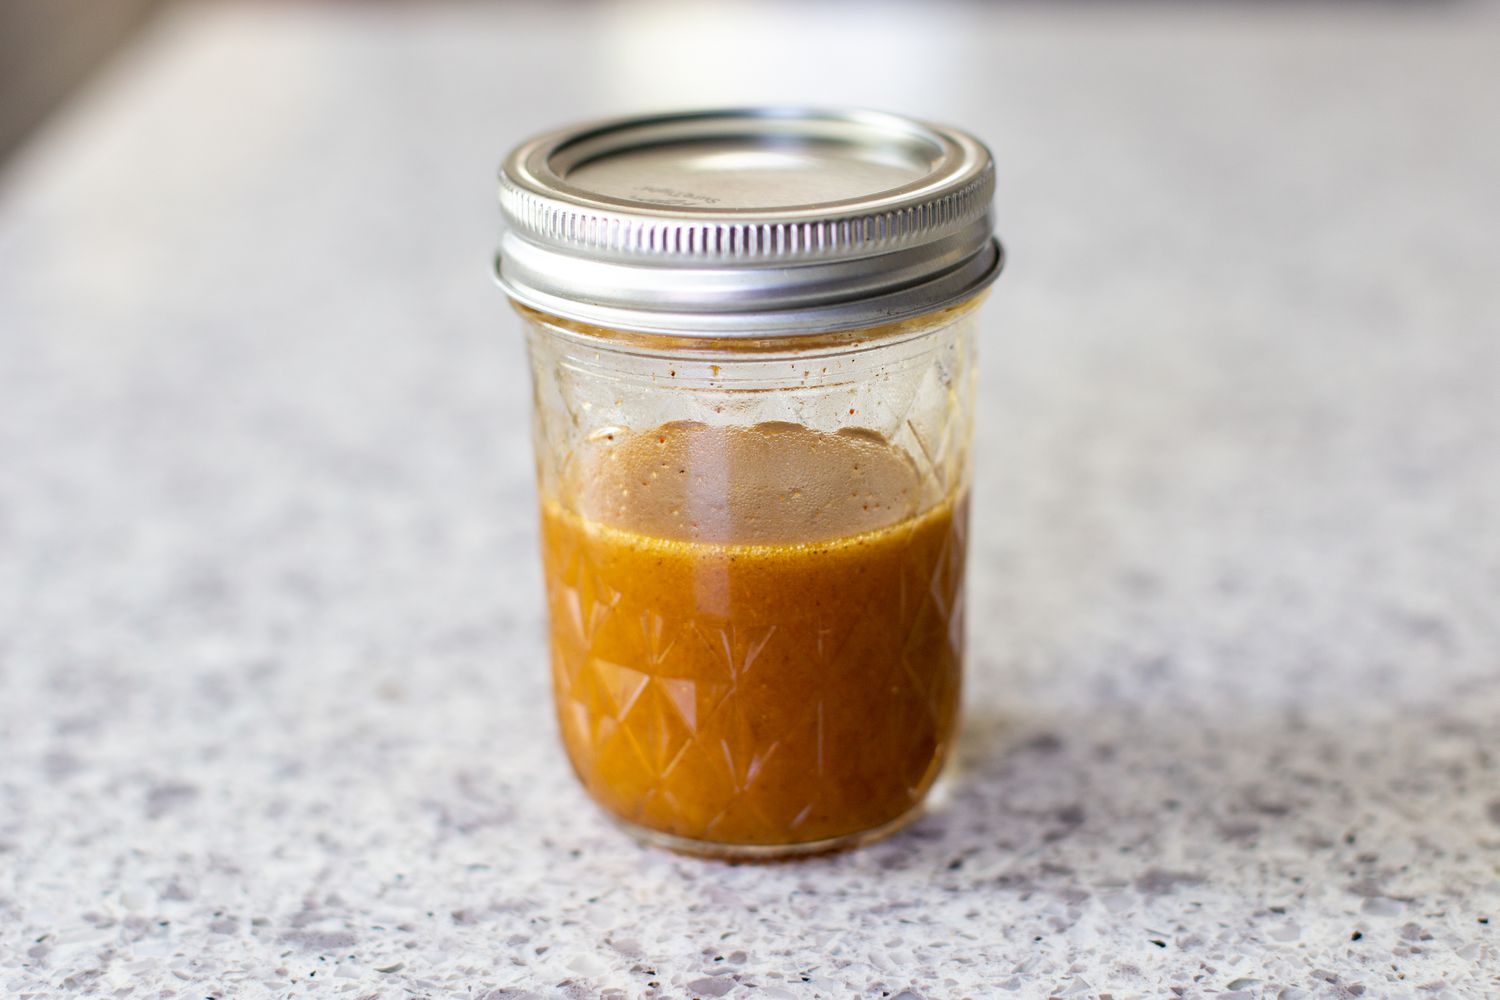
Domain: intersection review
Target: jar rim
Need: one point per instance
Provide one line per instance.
(800, 346)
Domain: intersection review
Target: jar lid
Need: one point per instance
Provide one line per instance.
(748, 221)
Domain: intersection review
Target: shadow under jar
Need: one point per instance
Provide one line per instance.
(751, 340)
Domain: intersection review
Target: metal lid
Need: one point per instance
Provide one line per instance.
(747, 222)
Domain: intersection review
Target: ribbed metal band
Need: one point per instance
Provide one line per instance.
(675, 261)
(625, 234)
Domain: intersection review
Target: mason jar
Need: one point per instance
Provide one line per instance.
(751, 336)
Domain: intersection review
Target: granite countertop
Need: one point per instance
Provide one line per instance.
(274, 717)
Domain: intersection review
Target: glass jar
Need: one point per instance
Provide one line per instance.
(751, 340)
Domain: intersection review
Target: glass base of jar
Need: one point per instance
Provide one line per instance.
(764, 852)
(786, 852)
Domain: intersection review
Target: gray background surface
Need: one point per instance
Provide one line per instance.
(274, 716)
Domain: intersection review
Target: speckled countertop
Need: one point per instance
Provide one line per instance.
(273, 712)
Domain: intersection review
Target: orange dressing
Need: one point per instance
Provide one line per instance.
(756, 632)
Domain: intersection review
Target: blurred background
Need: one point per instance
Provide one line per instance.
(266, 516)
